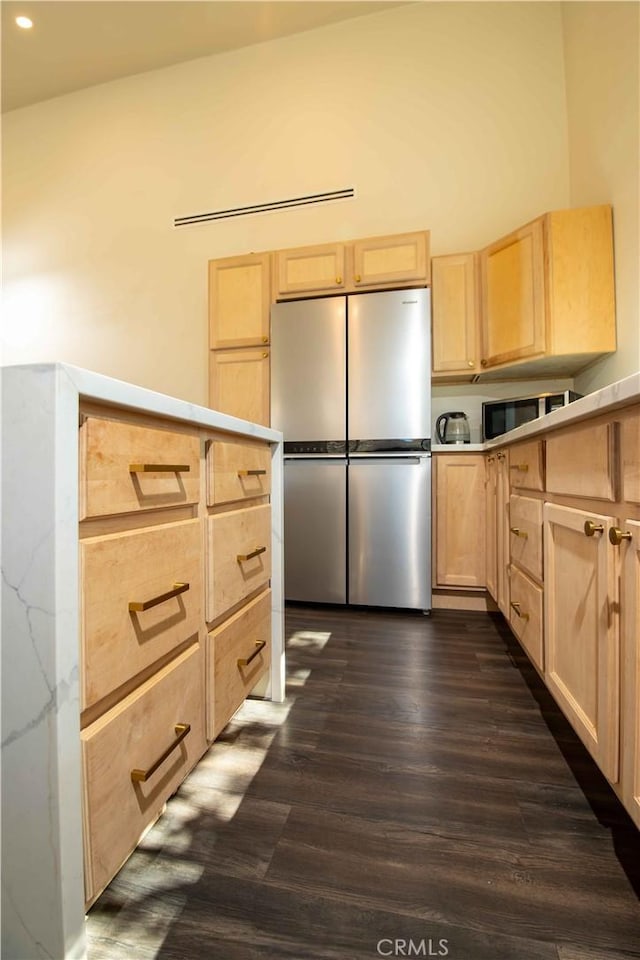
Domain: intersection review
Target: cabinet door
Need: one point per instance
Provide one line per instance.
(239, 301)
(399, 259)
(630, 459)
(581, 629)
(239, 383)
(502, 532)
(309, 270)
(630, 606)
(454, 315)
(491, 537)
(512, 298)
(460, 528)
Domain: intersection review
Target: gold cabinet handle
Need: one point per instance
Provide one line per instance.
(516, 606)
(245, 661)
(483, 363)
(501, 456)
(265, 339)
(252, 473)
(135, 606)
(357, 278)
(470, 363)
(265, 355)
(616, 536)
(141, 776)
(517, 532)
(338, 279)
(490, 459)
(159, 468)
(522, 467)
(241, 557)
(591, 528)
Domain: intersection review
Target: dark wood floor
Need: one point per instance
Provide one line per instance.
(419, 785)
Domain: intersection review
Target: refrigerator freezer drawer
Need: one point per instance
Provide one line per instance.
(389, 511)
(315, 530)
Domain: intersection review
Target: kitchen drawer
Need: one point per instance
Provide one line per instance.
(238, 655)
(630, 459)
(116, 468)
(525, 534)
(581, 462)
(525, 466)
(526, 615)
(237, 470)
(238, 557)
(138, 567)
(141, 730)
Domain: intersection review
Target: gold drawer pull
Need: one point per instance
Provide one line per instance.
(516, 531)
(516, 607)
(591, 528)
(249, 556)
(159, 468)
(245, 661)
(141, 776)
(252, 473)
(338, 280)
(135, 606)
(616, 536)
(522, 467)
(357, 278)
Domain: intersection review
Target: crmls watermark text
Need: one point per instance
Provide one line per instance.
(413, 948)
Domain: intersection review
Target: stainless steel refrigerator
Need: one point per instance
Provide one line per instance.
(351, 391)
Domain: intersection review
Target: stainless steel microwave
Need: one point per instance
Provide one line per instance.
(499, 416)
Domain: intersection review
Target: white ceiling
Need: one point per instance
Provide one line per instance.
(78, 43)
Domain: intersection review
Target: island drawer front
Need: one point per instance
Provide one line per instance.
(238, 557)
(582, 462)
(245, 636)
(526, 615)
(237, 470)
(138, 567)
(116, 468)
(526, 466)
(133, 736)
(525, 534)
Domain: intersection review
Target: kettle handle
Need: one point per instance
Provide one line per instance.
(439, 433)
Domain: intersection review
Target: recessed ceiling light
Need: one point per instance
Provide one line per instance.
(24, 22)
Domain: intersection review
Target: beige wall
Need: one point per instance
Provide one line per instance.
(601, 43)
(450, 116)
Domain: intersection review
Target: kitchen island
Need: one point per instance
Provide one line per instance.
(64, 430)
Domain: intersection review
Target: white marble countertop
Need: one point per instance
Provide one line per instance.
(619, 394)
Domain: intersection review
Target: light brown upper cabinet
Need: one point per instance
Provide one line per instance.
(239, 301)
(309, 270)
(399, 260)
(454, 308)
(547, 295)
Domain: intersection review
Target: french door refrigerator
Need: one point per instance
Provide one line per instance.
(350, 389)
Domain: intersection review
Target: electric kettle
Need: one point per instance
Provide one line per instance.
(455, 430)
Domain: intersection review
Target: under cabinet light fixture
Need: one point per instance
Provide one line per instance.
(24, 22)
(348, 193)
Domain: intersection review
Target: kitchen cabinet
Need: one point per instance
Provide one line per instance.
(239, 301)
(582, 640)
(398, 260)
(454, 308)
(114, 691)
(547, 295)
(502, 532)
(630, 456)
(459, 520)
(309, 270)
(239, 383)
(491, 527)
(371, 263)
(630, 626)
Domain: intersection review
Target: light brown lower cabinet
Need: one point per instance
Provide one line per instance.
(630, 610)
(459, 520)
(491, 538)
(582, 633)
(502, 532)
